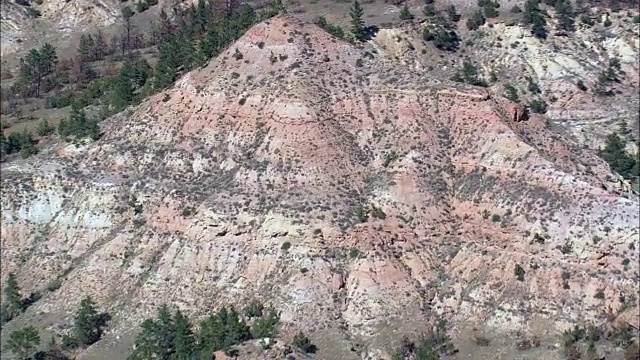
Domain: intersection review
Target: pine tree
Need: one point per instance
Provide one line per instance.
(145, 343)
(566, 20)
(237, 330)
(533, 16)
(357, 23)
(165, 332)
(12, 296)
(127, 14)
(78, 125)
(4, 146)
(87, 324)
(86, 48)
(166, 28)
(616, 156)
(131, 78)
(38, 64)
(266, 325)
(490, 9)
(23, 342)
(49, 58)
(27, 148)
(184, 340)
(99, 46)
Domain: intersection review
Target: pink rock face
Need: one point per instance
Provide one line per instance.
(346, 190)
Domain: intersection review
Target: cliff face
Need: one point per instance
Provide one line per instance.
(357, 196)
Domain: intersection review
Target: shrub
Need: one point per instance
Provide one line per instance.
(495, 218)
(23, 341)
(580, 84)
(59, 101)
(332, 29)
(519, 272)
(54, 285)
(511, 92)
(285, 246)
(538, 106)
(452, 13)
(238, 55)
(302, 342)
(44, 128)
(476, 20)
(469, 74)
(405, 13)
(378, 213)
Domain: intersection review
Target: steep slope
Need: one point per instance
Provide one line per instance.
(252, 177)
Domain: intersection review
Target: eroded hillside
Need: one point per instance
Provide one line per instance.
(358, 196)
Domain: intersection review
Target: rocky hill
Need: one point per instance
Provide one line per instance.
(362, 198)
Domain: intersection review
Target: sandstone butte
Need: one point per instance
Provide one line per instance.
(189, 197)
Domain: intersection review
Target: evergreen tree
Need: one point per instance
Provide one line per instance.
(49, 58)
(130, 79)
(237, 330)
(357, 22)
(87, 323)
(23, 342)
(533, 16)
(27, 148)
(79, 126)
(266, 325)
(12, 296)
(86, 48)
(166, 332)
(127, 14)
(176, 55)
(166, 28)
(469, 74)
(99, 46)
(4, 146)
(37, 65)
(184, 341)
(615, 154)
(566, 16)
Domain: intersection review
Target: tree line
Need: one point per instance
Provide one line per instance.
(171, 335)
